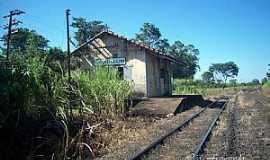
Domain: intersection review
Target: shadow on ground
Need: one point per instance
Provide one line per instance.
(163, 106)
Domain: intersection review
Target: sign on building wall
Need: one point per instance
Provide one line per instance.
(111, 61)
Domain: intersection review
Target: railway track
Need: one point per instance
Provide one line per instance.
(206, 119)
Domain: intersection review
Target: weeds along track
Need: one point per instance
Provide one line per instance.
(188, 138)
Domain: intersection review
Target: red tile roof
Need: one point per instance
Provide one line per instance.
(152, 50)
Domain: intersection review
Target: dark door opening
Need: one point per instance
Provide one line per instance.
(121, 72)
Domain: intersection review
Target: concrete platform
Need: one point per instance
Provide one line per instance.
(164, 106)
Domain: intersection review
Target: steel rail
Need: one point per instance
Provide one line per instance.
(201, 145)
(142, 152)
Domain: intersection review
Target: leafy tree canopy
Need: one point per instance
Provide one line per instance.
(187, 56)
(163, 45)
(255, 81)
(148, 35)
(224, 70)
(268, 73)
(20, 39)
(85, 30)
(208, 77)
(233, 82)
(56, 59)
(264, 80)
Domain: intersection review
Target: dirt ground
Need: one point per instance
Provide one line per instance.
(243, 131)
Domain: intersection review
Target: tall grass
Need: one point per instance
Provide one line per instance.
(188, 86)
(103, 90)
(35, 100)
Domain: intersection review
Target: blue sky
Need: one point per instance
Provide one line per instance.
(223, 30)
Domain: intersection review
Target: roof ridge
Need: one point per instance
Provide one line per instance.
(125, 38)
(134, 41)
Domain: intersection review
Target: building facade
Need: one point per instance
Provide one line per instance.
(147, 68)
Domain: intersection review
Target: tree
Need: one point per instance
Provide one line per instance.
(186, 55)
(1, 50)
(255, 82)
(208, 77)
(233, 82)
(19, 40)
(264, 80)
(149, 35)
(224, 70)
(187, 58)
(56, 60)
(163, 45)
(268, 73)
(86, 30)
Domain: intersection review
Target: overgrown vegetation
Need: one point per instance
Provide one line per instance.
(43, 116)
(188, 86)
(191, 86)
(104, 92)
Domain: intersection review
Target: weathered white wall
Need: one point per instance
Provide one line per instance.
(153, 75)
(156, 85)
(136, 61)
(142, 68)
(135, 68)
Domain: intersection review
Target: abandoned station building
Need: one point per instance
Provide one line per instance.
(148, 68)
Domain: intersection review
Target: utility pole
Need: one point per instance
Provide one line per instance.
(68, 46)
(9, 27)
(68, 52)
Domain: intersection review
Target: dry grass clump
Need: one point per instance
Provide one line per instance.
(122, 132)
